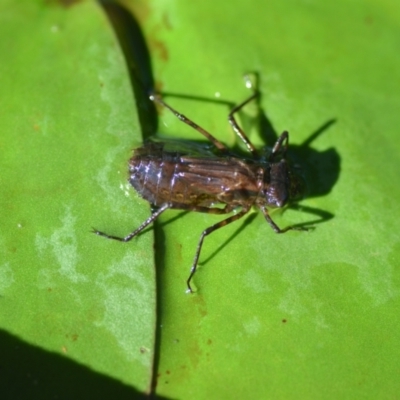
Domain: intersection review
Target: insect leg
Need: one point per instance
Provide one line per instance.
(156, 98)
(204, 234)
(238, 130)
(282, 141)
(275, 227)
(148, 221)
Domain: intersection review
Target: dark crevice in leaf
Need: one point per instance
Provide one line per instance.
(138, 61)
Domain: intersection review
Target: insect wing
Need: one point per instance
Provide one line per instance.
(216, 176)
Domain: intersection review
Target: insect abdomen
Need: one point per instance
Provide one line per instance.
(154, 173)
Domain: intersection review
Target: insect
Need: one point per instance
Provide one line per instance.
(211, 179)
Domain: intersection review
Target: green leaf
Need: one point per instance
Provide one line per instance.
(298, 315)
(68, 123)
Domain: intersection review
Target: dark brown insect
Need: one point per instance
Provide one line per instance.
(211, 179)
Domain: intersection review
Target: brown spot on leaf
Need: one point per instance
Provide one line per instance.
(159, 48)
(369, 20)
